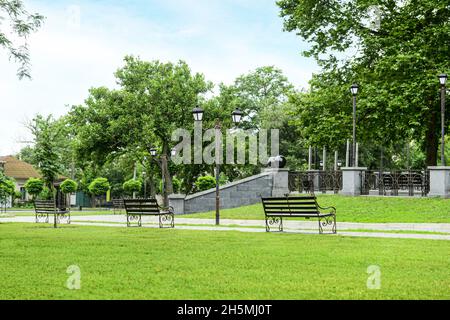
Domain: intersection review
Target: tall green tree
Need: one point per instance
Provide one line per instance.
(261, 94)
(155, 98)
(17, 25)
(396, 61)
(46, 148)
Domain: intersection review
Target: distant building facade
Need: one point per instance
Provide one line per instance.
(20, 171)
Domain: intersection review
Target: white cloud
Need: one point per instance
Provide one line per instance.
(73, 53)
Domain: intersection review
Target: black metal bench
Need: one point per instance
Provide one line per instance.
(118, 205)
(136, 208)
(307, 207)
(44, 208)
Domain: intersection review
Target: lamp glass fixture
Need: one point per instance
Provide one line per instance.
(443, 79)
(354, 89)
(198, 114)
(237, 116)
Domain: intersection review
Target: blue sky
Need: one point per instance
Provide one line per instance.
(82, 43)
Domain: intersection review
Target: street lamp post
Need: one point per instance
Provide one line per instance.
(236, 117)
(443, 79)
(354, 90)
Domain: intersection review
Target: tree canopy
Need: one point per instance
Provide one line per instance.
(396, 64)
(13, 38)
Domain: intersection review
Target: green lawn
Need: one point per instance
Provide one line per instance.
(120, 263)
(349, 209)
(361, 209)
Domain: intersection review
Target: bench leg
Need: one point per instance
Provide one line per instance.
(167, 219)
(131, 218)
(41, 216)
(328, 221)
(63, 217)
(273, 222)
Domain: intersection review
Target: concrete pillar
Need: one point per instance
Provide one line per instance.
(280, 181)
(351, 181)
(177, 202)
(439, 182)
(313, 176)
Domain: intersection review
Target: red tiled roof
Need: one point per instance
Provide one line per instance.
(18, 169)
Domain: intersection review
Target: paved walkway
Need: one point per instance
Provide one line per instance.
(303, 227)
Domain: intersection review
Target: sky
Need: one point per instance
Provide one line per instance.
(82, 44)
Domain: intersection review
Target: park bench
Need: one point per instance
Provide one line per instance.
(118, 205)
(307, 207)
(136, 208)
(44, 208)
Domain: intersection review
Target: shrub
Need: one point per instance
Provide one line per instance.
(99, 186)
(205, 183)
(34, 186)
(69, 186)
(46, 194)
(131, 186)
(176, 184)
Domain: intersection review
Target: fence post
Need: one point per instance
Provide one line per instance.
(351, 181)
(439, 182)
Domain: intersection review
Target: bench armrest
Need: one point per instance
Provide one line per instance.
(169, 209)
(333, 209)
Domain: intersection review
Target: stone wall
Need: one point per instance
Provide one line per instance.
(271, 182)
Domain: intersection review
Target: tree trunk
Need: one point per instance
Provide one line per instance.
(432, 138)
(168, 187)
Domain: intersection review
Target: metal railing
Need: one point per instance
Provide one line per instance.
(315, 181)
(395, 183)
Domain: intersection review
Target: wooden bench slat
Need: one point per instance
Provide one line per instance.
(289, 198)
(297, 206)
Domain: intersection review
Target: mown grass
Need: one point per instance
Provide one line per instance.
(120, 263)
(361, 209)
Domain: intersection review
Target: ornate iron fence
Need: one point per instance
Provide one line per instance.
(315, 181)
(395, 183)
